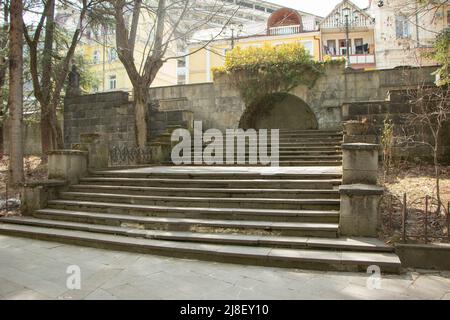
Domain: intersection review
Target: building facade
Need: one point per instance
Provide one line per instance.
(98, 45)
(348, 27)
(405, 29)
(283, 26)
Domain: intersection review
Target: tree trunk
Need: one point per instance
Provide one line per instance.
(15, 99)
(140, 93)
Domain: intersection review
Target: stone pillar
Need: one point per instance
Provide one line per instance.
(359, 163)
(97, 148)
(34, 195)
(360, 196)
(357, 132)
(69, 165)
(359, 210)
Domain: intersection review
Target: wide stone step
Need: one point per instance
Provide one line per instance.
(343, 243)
(282, 163)
(277, 257)
(210, 192)
(198, 212)
(195, 225)
(198, 173)
(263, 203)
(215, 183)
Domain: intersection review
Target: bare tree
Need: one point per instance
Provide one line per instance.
(15, 99)
(165, 28)
(430, 113)
(48, 68)
(4, 14)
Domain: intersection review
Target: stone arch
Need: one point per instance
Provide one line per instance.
(280, 111)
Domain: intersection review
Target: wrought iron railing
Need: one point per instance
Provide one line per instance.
(125, 155)
(421, 219)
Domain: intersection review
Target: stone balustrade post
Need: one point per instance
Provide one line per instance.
(359, 163)
(359, 194)
(68, 165)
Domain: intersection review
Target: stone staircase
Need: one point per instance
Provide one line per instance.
(247, 215)
(304, 148)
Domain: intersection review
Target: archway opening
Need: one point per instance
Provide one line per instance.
(279, 111)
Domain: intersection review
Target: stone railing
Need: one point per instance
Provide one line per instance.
(277, 31)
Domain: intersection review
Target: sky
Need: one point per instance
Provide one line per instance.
(318, 7)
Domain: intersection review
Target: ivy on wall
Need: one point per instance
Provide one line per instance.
(264, 75)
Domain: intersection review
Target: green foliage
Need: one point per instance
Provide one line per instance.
(260, 72)
(441, 54)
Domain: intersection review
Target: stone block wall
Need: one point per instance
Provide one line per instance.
(109, 114)
(396, 110)
(218, 104)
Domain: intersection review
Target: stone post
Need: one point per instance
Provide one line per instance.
(34, 195)
(97, 148)
(359, 209)
(359, 194)
(69, 165)
(359, 163)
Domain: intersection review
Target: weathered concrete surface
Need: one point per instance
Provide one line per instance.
(69, 165)
(233, 169)
(218, 105)
(359, 210)
(31, 269)
(290, 113)
(429, 256)
(359, 163)
(109, 114)
(34, 195)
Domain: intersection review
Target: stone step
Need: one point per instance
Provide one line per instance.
(281, 163)
(260, 203)
(215, 183)
(207, 175)
(276, 257)
(342, 243)
(297, 144)
(331, 216)
(195, 225)
(209, 192)
(294, 157)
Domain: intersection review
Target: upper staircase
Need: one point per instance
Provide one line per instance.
(303, 148)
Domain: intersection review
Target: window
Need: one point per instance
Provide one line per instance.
(359, 46)
(330, 48)
(343, 46)
(112, 82)
(308, 45)
(112, 55)
(96, 57)
(402, 27)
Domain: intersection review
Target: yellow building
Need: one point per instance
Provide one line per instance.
(99, 50)
(283, 26)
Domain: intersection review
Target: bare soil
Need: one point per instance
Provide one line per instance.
(417, 181)
(34, 170)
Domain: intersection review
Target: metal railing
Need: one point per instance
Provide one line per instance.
(420, 219)
(284, 30)
(125, 155)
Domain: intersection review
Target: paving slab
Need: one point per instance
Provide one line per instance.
(108, 274)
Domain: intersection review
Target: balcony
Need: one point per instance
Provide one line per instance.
(358, 59)
(285, 30)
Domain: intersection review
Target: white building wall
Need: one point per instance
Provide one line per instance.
(390, 49)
